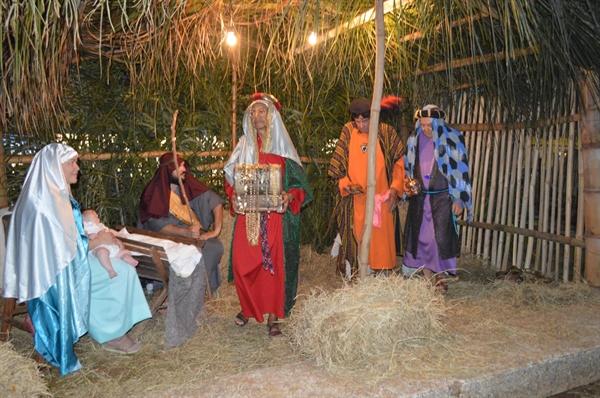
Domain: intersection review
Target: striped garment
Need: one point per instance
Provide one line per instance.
(393, 149)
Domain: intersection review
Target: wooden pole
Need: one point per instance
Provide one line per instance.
(531, 205)
(577, 257)
(501, 149)
(555, 194)
(561, 179)
(505, 199)
(523, 201)
(3, 182)
(484, 196)
(590, 150)
(569, 200)
(373, 130)
(233, 103)
(565, 240)
(547, 185)
(512, 187)
(174, 149)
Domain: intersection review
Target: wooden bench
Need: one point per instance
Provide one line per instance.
(153, 264)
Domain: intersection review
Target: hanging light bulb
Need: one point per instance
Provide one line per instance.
(231, 38)
(312, 38)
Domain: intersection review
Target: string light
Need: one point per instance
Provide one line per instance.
(312, 38)
(231, 38)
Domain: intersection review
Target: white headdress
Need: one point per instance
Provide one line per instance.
(42, 237)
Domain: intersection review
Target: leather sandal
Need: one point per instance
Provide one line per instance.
(240, 319)
(441, 285)
(274, 330)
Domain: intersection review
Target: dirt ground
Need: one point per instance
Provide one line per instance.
(483, 332)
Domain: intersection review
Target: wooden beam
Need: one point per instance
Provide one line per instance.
(105, 156)
(517, 126)
(365, 17)
(459, 63)
(566, 240)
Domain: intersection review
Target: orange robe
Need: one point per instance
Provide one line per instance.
(382, 253)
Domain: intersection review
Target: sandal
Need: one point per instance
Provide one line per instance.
(441, 285)
(274, 330)
(122, 345)
(240, 319)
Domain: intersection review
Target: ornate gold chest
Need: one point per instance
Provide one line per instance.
(257, 187)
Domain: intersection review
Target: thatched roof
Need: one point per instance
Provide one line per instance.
(524, 54)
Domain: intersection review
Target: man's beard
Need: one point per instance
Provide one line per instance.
(175, 180)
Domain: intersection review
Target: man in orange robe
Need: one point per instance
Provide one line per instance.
(349, 167)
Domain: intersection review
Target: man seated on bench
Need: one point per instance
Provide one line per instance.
(162, 209)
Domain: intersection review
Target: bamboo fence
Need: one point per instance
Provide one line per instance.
(527, 190)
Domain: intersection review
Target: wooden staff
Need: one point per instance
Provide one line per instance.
(174, 148)
(181, 188)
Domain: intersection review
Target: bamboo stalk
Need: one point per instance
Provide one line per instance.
(531, 205)
(508, 207)
(569, 199)
(512, 202)
(463, 115)
(480, 59)
(233, 103)
(560, 200)
(500, 151)
(517, 212)
(474, 173)
(484, 198)
(499, 146)
(525, 198)
(540, 201)
(485, 143)
(493, 201)
(505, 194)
(579, 229)
(555, 161)
(484, 127)
(547, 196)
(481, 177)
(153, 154)
(108, 156)
(372, 143)
(3, 182)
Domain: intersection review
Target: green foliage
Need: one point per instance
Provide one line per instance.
(137, 63)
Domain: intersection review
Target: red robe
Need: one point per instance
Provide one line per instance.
(260, 292)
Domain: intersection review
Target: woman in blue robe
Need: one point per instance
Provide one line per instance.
(47, 266)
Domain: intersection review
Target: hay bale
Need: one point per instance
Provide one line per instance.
(368, 324)
(536, 295)
(19, 376)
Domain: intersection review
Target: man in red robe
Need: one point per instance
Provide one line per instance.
(265, 250)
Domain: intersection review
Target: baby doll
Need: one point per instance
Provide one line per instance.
(92, 226)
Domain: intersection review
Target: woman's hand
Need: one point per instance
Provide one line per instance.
(457, 207)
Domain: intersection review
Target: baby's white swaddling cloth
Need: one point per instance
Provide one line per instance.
(183, 258)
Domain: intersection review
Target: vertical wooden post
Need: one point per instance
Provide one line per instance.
(373, 130)
(3, 183)
(590, 150)
(233, 102)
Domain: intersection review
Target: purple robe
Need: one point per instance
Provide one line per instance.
(427, 252)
